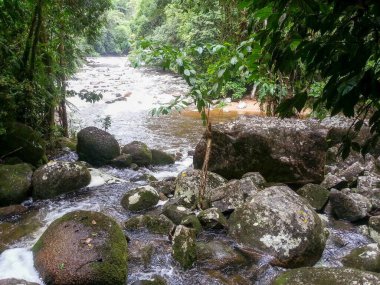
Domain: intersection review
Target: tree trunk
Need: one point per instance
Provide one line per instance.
(62, 79)
(202, 202)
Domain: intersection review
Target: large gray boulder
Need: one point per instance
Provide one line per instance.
(288, 151)
(188, 183)
(233, 194)
(280, 223)
(15, 182)
(327, 276)
(349, 206)
(82, 248)
(97, 146)
(59, 177)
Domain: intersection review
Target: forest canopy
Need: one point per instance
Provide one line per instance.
(288, 54)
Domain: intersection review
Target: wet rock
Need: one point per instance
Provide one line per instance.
(352, 173)
(14, 281)
(160, 157)
(82, 248)
(142, 198)
(144, 177)
(217, 255)
(155, 224)
(333, 181)
(256, 178)
(59, 177)
(315, 194)
(156, 280)
(364, 258)
(212, 218)
(188, 182)
(280, 223)
(97, 146)
(141, 154)
(176, 213)
(122, 161)
(349, 206)
(330, 276)
(165, 187)
(14, 210)
(368, 182)
(374, 228)
(141, 252)
(192, 222)
(184, 246)
(15, 182)
(288, 151)
(65, 143)
(232, 195)
(15, 230)
(24, 142)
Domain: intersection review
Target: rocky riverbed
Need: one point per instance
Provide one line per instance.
(283, 208)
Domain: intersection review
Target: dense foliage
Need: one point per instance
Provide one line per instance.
(38, 51)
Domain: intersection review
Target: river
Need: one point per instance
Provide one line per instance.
(128, 96)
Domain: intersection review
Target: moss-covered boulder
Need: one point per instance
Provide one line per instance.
(167, 187)
(192, 222)
(160, 157)
(14, 281)
(154, 224)
(280, 223)
(349, 206)
(141, 154)
(315, 194)
(97, 146)
(59, 177)
(184, 246)
(82, 248)
(364, 258)
(122, 161)
(188, 182)
(327, 276)
(213, 219)
(139, 199)
(233, 194)
(218, 255)
(15, 182)
(176, 213)
(24, 143)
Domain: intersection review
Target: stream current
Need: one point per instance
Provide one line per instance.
(128, 96)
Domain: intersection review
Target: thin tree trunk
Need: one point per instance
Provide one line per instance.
(62, 103)
(36, 39)
(202, 202)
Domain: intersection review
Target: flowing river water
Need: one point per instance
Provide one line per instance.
(128, 96)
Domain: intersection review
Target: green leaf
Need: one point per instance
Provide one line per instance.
(263, 13)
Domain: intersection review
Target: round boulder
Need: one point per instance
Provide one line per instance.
(140, 153)
(160, 157)
(280, 223)
(364, 258)
(15, 182)
(142, 198)
(59, 177)
(97, 146)
(82, 248)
